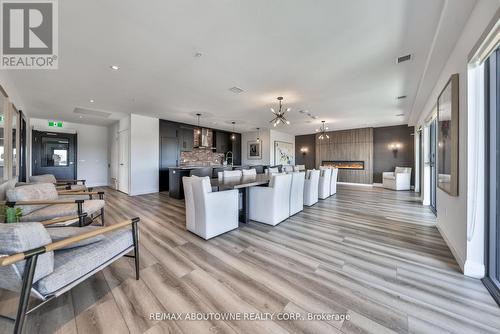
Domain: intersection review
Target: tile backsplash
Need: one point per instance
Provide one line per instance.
(201, 157)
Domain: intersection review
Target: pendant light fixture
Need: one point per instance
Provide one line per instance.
(322, 131)
(198, 130)
(233, 135)
(279, 116)
(258, 135)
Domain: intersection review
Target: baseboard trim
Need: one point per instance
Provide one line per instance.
(458, 258)
(145, 192)
(356, 184)
(474, 269)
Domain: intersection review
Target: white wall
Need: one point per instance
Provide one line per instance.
(452, 211)
(144, 154)
(265, 145)
(280, 136)
(92, 152)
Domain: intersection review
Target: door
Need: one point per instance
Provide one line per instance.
(432, 164)
(421, 161)
(492, 107)
(169, 157)
(123, 161)
(54, 153)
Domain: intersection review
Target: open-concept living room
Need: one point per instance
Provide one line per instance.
(249, 166)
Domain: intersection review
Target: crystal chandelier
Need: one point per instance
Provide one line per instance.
(322, 131)
(279, 116)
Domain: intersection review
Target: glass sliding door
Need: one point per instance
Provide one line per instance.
(432, 163)
(492, 107)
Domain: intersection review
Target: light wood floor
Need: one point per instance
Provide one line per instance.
(371, 253)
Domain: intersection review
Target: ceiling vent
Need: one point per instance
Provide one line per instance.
(90, 112)
(404, 58)
(401, 97)
(236, 90)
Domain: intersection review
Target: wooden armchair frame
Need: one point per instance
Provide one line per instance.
(78, 202)
(31, 257)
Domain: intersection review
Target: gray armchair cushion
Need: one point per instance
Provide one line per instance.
(61, 210)
(4, 187)
(33, 192)
(74, 264)
(21, 237)
(60, 233)
(45, 178)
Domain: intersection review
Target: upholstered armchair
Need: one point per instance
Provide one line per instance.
(42, 201)
(400, 179)
(311, 184)
(77, 185)
(34, 261)
(208, 213)
(333, 181)
(297, 192)
(324, 183)
(271, 205)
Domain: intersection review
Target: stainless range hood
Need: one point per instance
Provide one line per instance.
(204, 139)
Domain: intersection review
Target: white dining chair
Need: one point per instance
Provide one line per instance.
(272, 170)
(249, 172)
(333, 181)
(232, 173)
(271, 205)
(214, 212)
(297, 192)
(311, 184)
(324, 183)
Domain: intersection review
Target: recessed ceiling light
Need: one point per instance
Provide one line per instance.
(315, 117)
(198, 55)
(302, 111)
(81, 116)
(92, 100)
(115, 67)
(400, 115)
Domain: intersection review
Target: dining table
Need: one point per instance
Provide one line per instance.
(243, 185)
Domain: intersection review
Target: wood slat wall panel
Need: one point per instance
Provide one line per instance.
(349, 145)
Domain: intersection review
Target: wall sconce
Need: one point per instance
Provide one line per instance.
(304, 150)
(395, 148)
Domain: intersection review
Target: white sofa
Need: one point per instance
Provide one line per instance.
(208, 213)
(324, 183)
(297, 192)
(333, 181)
(400, 179)
(311, 183)
(271, 205)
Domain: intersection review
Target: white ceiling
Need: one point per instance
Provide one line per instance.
(334, 58)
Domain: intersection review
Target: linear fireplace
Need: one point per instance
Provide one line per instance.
(356, 165)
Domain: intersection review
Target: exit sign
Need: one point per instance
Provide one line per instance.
(55, 124)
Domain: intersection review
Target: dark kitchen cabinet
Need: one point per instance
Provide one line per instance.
(176, 189)
(236, 149)
(169, 157)
(222, 142)
(186, 139)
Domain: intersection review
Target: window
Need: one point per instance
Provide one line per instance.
(54, 152)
